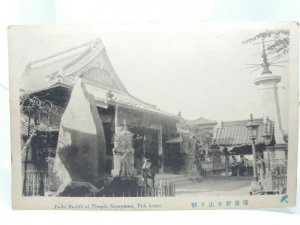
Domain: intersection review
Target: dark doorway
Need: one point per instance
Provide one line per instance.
(173, 158)
(145, 143)
(107, 118)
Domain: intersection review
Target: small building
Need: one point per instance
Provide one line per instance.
(202, 124)
(203, 129)
(271, 162)
(234, 136)
(183, 149)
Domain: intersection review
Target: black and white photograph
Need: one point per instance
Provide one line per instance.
(164, 112)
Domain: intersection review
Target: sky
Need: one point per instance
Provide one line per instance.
(198, 69)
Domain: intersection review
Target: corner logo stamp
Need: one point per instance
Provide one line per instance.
(284, 198)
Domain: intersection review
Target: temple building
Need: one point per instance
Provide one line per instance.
(234, 136)
(51, 79)
(232, 139)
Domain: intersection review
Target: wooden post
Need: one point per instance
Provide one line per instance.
(114, 170)
(226, 164)
(269, 160)
(26, 148)
(34, 184)
(160, 149)
(144, 145)
(254, 159)
(28, 128)
(116, 118)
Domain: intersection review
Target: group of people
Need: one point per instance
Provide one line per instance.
(239, 168)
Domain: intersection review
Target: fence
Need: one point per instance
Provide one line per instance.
(208, 168)
(35, 183)
(159, 190)
(277, 178)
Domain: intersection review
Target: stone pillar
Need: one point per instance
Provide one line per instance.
(191, 167)
(190, 161)
(269, 102)
(267, 85)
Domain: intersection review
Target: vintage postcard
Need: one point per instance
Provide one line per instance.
(154, 116)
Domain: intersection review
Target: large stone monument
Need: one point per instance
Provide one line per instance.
(267, 85)
(81, 149)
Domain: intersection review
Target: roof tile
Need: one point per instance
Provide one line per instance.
(233, 133)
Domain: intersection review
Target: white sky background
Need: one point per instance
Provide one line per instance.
(193, 68)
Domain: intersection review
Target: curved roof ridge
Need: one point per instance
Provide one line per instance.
(114, 74)
(241, 121)
(63, 52)
(204, 119)
(81, 61)
(77, 59)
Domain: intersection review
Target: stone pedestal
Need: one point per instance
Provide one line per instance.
(268, 185)
(124, 163)
(116, 164)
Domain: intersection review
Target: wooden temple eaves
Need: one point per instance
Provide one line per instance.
(89, 61)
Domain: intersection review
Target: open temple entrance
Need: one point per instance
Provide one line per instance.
(173, 158)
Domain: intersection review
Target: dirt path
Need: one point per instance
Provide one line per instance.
(215, 186)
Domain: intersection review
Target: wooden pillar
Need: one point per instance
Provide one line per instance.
(144, 144)
(254, 159)
(116, 158)
(116, 118)
(226, 157)
(160, 148)
(268, 155)
(227, 164)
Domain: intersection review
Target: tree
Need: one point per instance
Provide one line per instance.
(36, 113)
(276, 41)
(204, 136)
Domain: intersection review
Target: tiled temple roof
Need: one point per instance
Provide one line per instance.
(202, 121)
(235, 133)
(63, 68)
(123, 100)
(89, 60)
